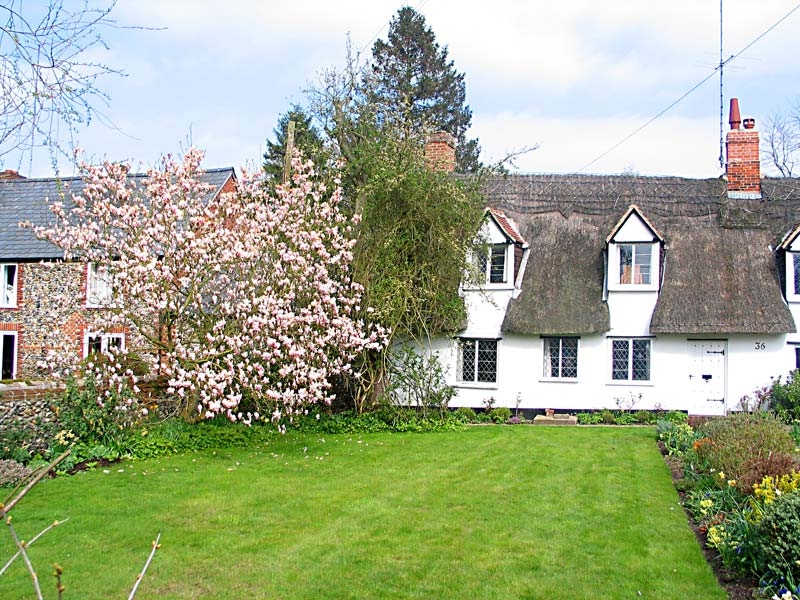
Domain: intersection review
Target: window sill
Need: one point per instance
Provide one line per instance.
(632, 288)
(628, 383)
(476, 385)
(559, 380)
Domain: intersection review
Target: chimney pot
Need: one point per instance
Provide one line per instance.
(735, 119)
(749, 123)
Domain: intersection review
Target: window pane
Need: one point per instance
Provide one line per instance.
(640, 365)
(625, 262)
(115, 341)
(796, 260)
(619, 359)
(569, 357)
(498, 268)
(9, 291)
(7, 354)
(551, 362)
(642, 259)
(487, 360)
(95, 344)
(467, 360)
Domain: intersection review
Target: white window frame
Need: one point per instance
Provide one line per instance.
(547, 358)
(15, 355)
(473, 378)
(615, 271)
(98, 285)
(629, 368)
(8, 293)
(484, 259)
(106, 342)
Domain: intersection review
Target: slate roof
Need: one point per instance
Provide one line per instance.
(28, 200)
(720, 271)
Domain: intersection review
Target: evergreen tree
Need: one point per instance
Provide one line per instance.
(306, 138)
(412, 80)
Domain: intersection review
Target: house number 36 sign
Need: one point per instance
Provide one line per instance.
(761, 346)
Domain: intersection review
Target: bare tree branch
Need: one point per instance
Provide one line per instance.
(48, 80)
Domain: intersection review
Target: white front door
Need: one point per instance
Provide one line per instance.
(707, 359)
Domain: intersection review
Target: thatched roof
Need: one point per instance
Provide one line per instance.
(562, 289)
(720, 273)
(720, 280)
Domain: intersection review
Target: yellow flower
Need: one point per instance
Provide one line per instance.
(731, 482)
(722, 474)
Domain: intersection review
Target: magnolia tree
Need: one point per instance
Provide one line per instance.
(243, 301)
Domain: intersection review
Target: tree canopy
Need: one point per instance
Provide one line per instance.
(307, 139)
(411, 80)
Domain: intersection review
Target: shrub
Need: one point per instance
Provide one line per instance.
(779, 539)
(772, 466)
(645, 417)
(624, 418)
(589, 418)
(675, 416)
(465, 414)
(677, 439)
(500, 414)
(416, 379)
(784, 398)
(607, 416)
(739, 441)
(12, 472)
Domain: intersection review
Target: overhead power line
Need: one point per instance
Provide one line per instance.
(697, 85)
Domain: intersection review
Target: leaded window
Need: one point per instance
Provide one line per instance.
(492, 262)
(630, 359)
(561, 357)
(105, 343)
(796, 265)
(477, 360)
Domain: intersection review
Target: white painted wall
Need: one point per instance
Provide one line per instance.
(750, 361)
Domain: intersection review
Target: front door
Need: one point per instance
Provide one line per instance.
(707, 359)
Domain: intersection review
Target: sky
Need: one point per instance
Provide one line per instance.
(573, 77)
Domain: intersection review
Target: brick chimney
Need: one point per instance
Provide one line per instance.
(440, 152)
(9, 174)
(743, 166)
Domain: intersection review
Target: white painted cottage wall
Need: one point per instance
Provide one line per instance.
(751, 361)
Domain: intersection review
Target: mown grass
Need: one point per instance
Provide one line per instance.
(491, 512)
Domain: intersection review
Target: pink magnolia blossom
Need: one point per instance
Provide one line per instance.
(244, 297)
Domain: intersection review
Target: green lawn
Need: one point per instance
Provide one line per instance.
(491, 512)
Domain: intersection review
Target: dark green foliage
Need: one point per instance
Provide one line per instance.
(779, 539)
(590, 418)
(387, 418)
(465, 414)
(784, 398)
(500, 414)
(416, 229)
(415, 87)
(607, 416)
(625, 418)
(739, 441)
(645, 417)
(307, 139)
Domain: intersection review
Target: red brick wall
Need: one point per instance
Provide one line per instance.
(440, 152)
(744, 166)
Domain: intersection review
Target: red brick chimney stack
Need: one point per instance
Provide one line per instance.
(743, 167)
(440, 152)
(9, 174)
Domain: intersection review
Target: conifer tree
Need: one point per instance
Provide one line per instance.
(412, 79)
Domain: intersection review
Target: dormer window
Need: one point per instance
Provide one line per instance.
(492, 262)
(635, 263)
(634, 254)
